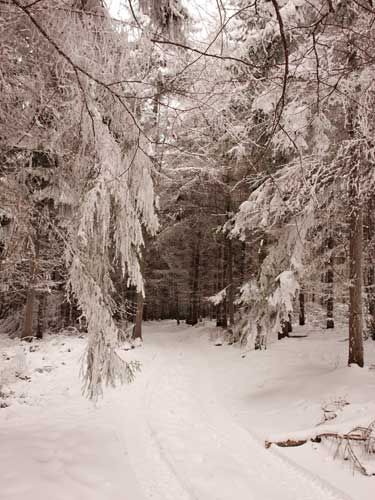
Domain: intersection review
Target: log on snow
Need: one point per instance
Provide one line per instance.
(317, 439)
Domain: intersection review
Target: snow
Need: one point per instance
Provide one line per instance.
(218, 297)
(286, 291)
(191, 426)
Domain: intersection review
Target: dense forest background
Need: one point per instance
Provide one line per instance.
(149, 172)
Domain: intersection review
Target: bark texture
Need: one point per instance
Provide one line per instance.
(355, 289)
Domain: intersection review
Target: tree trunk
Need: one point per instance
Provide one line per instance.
(371, 298)
(329, 282)
(243, 261)
(371, 269)
(221, 309)
(27, 330)
(355, 243)
(330, 302)
(177, 304)
(301, 308)
(230, 290)
(218, 282)
(229, 255)
(224, 304)
(195, 298)
(137, 331)
(41, 315)
(355, 290)
(194, 291)
(191, 282)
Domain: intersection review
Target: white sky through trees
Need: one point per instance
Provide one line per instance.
(203, 13)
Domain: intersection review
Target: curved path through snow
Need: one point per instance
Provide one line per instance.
(183, 442)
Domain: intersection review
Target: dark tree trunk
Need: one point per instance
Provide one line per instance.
(218, 283)
(371, 299)
(329, 282)
(322, 297)
(371, 268)
(224, 282)
(177, 303)
(194, 291)
(330, 320)
(137, 331)
(195, 297)
(64, 311)
(27, 330)
(221, 309)
(230, 288)
(355, 290)
(355, 244)
(229, 256)
(301, 308)
(41, 315)
(243, 262)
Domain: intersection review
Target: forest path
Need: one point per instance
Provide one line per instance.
(190, 427)
(182, 436)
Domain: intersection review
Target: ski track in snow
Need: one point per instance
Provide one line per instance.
(211, 457)
(171, 435)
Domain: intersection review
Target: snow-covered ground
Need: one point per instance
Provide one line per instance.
(192, 425)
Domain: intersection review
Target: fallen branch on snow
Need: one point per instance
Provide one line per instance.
(358, 435)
